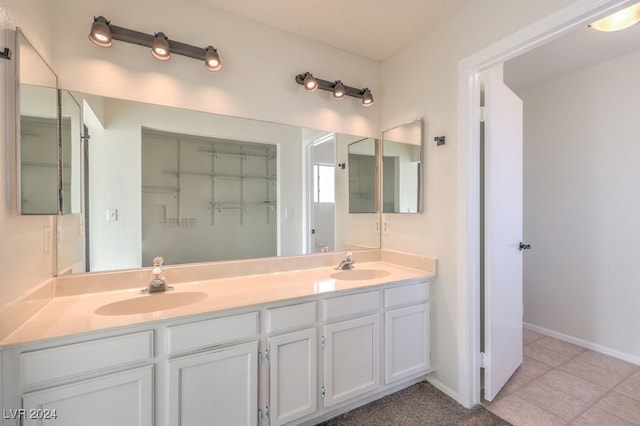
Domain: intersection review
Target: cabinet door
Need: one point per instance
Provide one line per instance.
(352, 358)
(292, 370)
(215, 387)
(406, 342)
(124, 398)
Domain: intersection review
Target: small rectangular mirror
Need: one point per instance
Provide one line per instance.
(37, 135)
(363, 188)
(402, 168)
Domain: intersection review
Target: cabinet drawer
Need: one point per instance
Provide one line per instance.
(196, 335)
(302, 315)
(79, 358)
(406, 295)
(352, 305)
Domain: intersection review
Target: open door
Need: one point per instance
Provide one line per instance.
(503, 306)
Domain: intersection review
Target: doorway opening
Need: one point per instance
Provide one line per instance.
(469, 242)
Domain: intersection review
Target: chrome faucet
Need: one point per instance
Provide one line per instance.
(346, 263)
(157, 283)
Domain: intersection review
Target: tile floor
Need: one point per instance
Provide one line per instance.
(563, 384)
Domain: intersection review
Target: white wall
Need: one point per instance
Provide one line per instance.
(259, 65)
(582, 204)
(23, 262)
(421, 81)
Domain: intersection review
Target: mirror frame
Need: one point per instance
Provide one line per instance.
(14, 171)
(421, 173)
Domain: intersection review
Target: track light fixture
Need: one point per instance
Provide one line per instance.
(339, 90)
(103, 32)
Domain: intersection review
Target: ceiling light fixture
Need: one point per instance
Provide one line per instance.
(160, 47)
(103, 32)
(309, 82)
(620, 20)
(338, 89)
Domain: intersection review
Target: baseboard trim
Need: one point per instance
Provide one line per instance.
(584, 343)
(443, 388)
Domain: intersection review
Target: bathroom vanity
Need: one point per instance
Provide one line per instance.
(294, 347)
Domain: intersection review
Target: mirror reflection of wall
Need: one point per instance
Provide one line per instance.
(37, 143)
(402, 162)
(71, 148)
(362, 176)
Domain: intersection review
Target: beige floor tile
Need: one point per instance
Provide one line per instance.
(621, 406)
(558, 403)
(530, 336)
(609, 363)
(597, 417)
(533, 368)
(520, 413)
(559, 346)
(517, 381)
(593, 373)
(546, 355)
(579, 388)
(631, 386)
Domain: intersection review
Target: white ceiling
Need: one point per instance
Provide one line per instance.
(580, 49)
(377, 29)
(374, 29)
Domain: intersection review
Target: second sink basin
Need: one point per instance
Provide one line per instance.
(359, 274)
(150, 303)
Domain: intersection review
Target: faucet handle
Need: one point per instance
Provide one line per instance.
(347, 255)
(158, 261)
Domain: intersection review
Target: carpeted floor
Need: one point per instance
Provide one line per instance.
(417, 405)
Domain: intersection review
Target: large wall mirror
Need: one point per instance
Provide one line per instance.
(197, 187)
(402, 168)
(36, 176)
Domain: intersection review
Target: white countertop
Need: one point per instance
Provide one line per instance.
(71, 315)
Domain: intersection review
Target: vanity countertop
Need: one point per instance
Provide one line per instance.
(72, 315)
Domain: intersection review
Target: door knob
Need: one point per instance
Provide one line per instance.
(524, 246)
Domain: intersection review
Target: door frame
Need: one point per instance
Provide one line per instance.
(579, 13)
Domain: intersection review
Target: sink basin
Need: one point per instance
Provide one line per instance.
(359, 274)
(150, 303)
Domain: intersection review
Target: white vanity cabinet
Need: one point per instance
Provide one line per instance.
(351, 347)
(406, 332)
(292, 358)
(102, 381)
(294, 362)
(218, 384)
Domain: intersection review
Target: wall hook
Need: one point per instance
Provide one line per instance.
(342, 165)
(6, 53)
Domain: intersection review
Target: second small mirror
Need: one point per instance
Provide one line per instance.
(402, 168)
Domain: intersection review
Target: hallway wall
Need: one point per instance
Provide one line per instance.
(582, 205)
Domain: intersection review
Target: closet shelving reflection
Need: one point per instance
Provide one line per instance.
(236, 172)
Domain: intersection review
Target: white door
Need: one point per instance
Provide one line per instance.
(322, 203)
(502, 234)
(292, 371)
